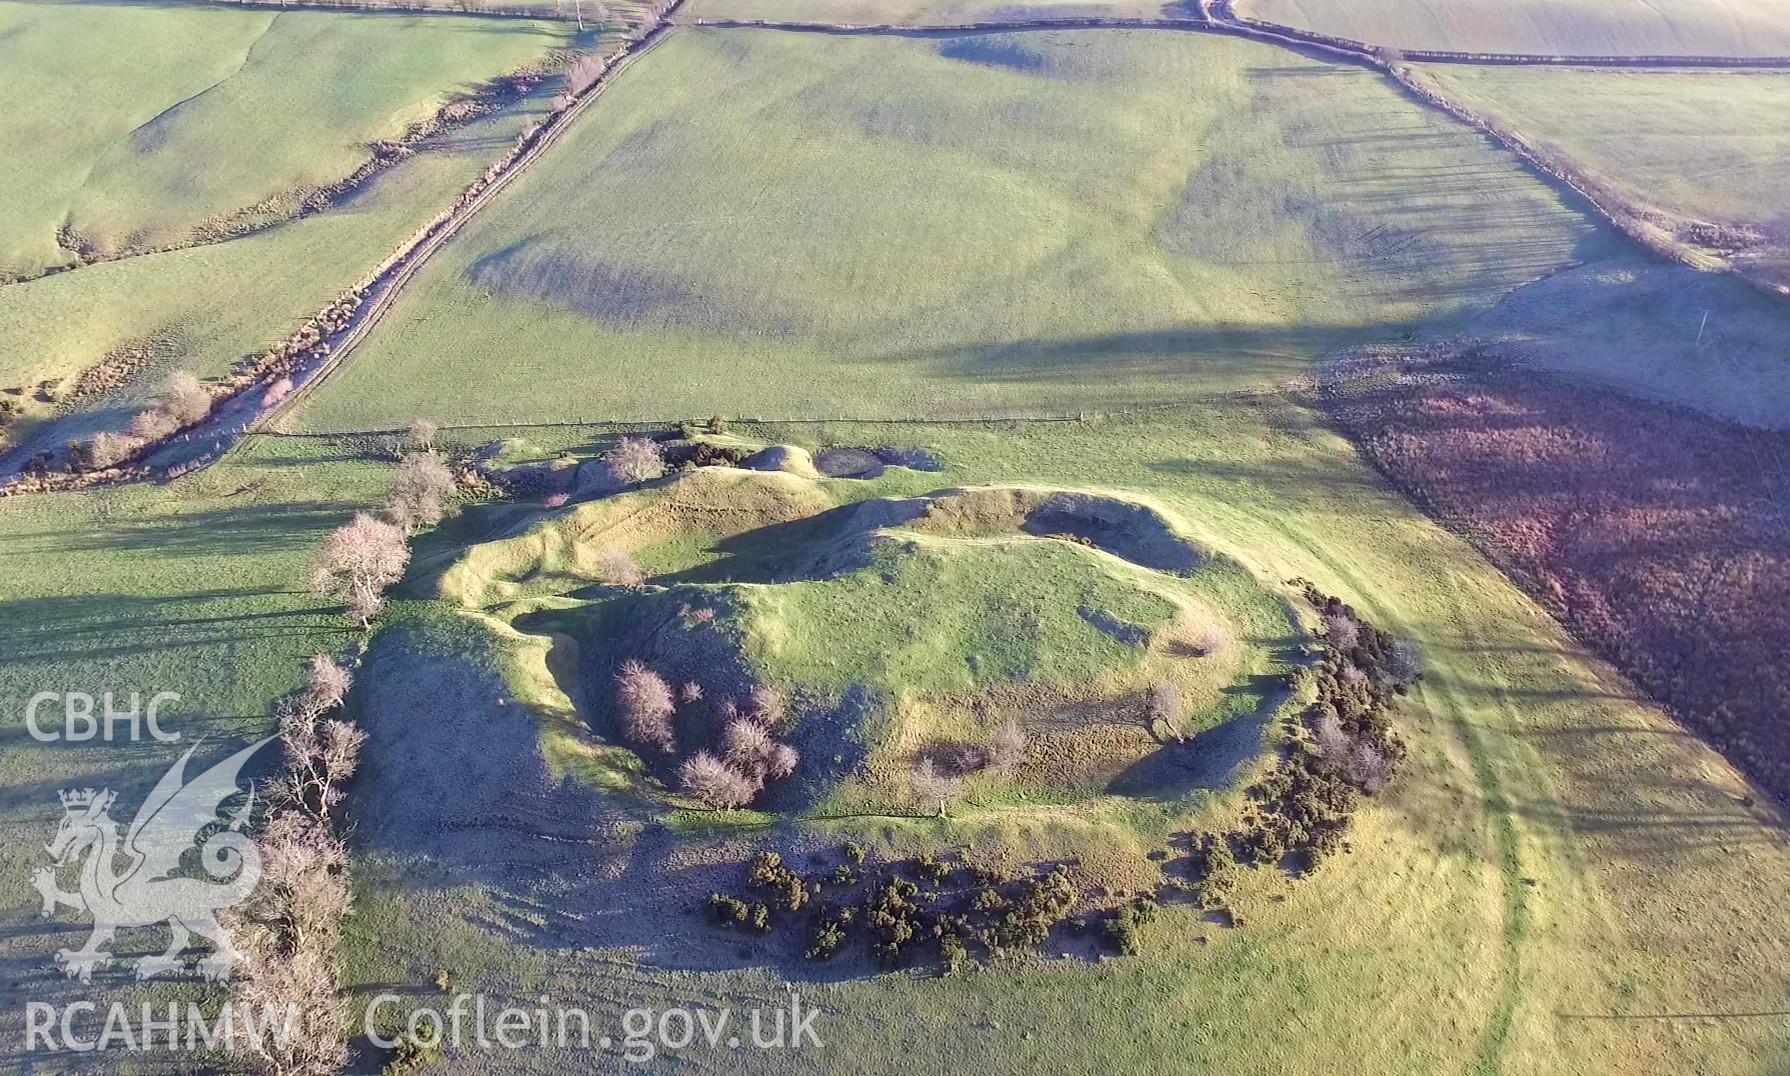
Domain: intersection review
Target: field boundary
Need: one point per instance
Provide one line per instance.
(1224, 12)
(494, 94)
(1635, 221)
(1219, 17)
(384, 286)
(1042, 418)
(598, 14)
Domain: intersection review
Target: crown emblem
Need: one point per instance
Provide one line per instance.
(73, 798)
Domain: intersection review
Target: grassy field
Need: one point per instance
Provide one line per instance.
(622, 12)
(204, 308)
(929, 12)
(1698, 144)
(1560, 881)
(275, 104)
(1699, 155)
(196, 589)
(1549, 27)
(974, 226)
(1524, 884)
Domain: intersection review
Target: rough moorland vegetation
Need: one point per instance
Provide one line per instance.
(1660, 537)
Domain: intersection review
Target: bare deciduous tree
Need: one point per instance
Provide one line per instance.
(277, 391)
(750, 750)
(422, 433)
(321, 752)
(1332, 742)
(326, 683)
(646, 706)
(690, 692)
(618, 569)
(1007, 745)
(1342, 632)
(1355, 760)
(770, 706)
(358, 562)
(746, 745)
(184, 398)
(153, 424)
(714, 783)
(289, 930)
(585, 73)
(781, 762)
(287, 935)
(109, 449)
(931, 786)
(420, 491)
(635, 459)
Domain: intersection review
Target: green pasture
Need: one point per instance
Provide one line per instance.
(140, 126)
(207, 307)
(1547, 27)
(930, 12)
(1703, 145)
(791, 226)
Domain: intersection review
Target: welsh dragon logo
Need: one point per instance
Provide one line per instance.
(131, 882)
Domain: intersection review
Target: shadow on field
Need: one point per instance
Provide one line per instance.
(1156, 354)
(251, 529)
(69, 629)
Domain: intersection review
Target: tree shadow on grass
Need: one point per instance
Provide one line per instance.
(1210, 760)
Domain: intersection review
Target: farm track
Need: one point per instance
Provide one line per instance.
(386, 289)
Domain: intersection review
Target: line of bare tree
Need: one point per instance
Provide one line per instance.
(365, 557)
(289, 931)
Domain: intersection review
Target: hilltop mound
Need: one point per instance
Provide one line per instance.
(885, 631)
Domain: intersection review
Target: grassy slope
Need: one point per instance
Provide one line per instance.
(298, 113)
(1638, 326)
(1704, 144)
(1530, 877)
(1557, 850)
(1538, 864)
(959, 227)
(944, 629)
(1684, 146)
(209, 306)
(927, 12)
(271, 102)
(1565, 27)
(79, 78)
